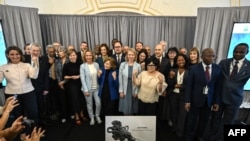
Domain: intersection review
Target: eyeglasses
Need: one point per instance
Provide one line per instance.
(151, 65)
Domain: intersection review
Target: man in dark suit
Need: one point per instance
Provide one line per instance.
(118, 56)
(235, 74)
(83, 48)
(163, 110)
(200, 95)
(41, 84)
(53, 96)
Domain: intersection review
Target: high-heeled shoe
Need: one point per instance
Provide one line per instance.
(78, 122)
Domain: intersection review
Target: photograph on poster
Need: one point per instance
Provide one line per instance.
(240, 34)
(130, 128)
(3, 59)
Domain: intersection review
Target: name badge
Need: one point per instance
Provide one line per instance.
(205, 90)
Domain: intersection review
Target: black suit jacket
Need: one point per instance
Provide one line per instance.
(122, 60)
(79, 57)
(42, 81)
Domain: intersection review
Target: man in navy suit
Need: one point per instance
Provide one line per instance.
(200, 95)
(231, 86)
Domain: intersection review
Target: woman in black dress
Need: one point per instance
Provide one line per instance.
(71, 73)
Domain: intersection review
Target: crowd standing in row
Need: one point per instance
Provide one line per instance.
(88, 85)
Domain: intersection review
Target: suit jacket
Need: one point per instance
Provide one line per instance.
(172, 82)
(86, 77)
(42, 81)
(123, 77)
(100, 61)
(116, 61)
(79, 57)
(197, 81)
(113, 84)
(232, 90)
(164, 67)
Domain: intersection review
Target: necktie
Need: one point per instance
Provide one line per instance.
(207, 73)
(235, 69)
(118, 59)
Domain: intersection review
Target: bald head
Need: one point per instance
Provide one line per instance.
(208, 56)
(158, 50)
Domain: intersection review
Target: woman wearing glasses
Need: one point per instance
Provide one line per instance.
(151, 84)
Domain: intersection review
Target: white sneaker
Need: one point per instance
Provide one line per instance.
(98, 119)
(63, 120)
(92, 121)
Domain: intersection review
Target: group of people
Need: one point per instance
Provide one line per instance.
(174, 86)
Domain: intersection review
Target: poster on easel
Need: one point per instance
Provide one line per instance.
(130, 128)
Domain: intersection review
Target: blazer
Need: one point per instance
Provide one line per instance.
(113, 84)
(100, 61)
(123, 77)
(232, 90)
(116, 61)
(164, 67)
(172, 82)
(197, 81)
(59, 69)
(79, 57)
(86, 77)
(42, 81)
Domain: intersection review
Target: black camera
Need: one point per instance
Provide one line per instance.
(28, 122)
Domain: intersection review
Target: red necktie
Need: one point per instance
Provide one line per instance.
(207, 73)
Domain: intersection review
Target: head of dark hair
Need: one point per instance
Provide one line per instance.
(172, 49)
(243, 44)
(104, 45)
(117, 42)
(140, 52)
(185, 58)
(7, 51)
(153, 60)
(139, 42)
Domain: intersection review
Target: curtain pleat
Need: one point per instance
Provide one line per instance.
(21, 25)
(214, 27)
(72, 30)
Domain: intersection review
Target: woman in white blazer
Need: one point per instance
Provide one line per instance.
(128, 102)
(90, 87)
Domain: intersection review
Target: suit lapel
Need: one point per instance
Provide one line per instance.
(202, 72)
(242, 69)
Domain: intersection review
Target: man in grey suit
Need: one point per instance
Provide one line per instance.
(235, 74)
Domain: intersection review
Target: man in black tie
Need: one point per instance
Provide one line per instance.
(235, 74)
(118, 56)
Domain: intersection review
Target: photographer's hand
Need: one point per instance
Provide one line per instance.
(17, 126)
(35, 135)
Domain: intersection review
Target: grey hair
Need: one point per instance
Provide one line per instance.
(49, 46)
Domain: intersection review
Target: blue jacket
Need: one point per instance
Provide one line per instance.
(113, 84)
(197, 81)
